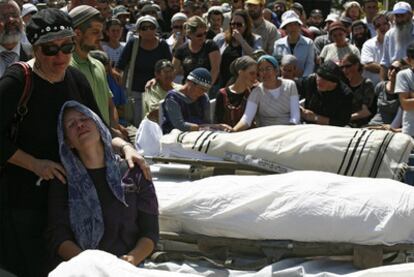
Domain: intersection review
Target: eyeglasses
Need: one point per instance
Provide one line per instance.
(177, 27)
(148, 27)
(396, 68)
(266, 69)
(53, 50)
(235, 1)
(346, 66)
(236, 24)
(200, 35)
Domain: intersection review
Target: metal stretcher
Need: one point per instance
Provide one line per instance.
(243, 254)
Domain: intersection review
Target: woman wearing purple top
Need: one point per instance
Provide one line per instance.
(103, 205)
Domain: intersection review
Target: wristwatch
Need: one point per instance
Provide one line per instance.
(316, 118)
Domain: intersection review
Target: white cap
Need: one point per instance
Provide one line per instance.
(401, 8)
(290, 16)
(351, 3)
(179, 16)
(28, 8)
(332, 17)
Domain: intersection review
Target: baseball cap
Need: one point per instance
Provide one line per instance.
(401, 8)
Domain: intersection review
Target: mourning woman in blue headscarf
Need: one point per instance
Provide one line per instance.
(104, 205)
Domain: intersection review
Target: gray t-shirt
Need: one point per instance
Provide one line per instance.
(336, 54)
(405, 84)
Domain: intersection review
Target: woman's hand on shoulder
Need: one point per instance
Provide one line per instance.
(132, 157)
(48, 170)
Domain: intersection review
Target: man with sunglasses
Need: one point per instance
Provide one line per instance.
(11, 31)
(88, 25)
(177, 37)
(372, 49)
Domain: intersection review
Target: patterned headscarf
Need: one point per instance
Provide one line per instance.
(85, 211)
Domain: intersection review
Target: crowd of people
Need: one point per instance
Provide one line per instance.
(96, 67)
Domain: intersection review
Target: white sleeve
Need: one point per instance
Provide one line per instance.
(367, 53)
(294, 110)
(249, 113)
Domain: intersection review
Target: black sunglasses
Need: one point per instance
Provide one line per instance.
(148, 27)
(236, 24)
(53, 50)
(177, 27)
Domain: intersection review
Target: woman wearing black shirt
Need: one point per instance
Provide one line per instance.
(34, 157)
(197, 52)
(237, 41)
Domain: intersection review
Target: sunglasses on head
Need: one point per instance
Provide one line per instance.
(148, 27)
(236, 24)
(53, 50)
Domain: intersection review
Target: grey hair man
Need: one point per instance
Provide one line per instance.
(398, 38)
(11, 31)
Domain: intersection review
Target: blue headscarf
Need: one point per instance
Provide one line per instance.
(270, 59)
(85, 213)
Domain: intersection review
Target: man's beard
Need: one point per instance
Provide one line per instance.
(87, 48)
(360, 40)
(254, 15)
(10, 36)
(403, 34)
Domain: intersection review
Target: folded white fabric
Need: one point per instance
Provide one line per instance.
(345, 151)
(96, 263)
(301, 206)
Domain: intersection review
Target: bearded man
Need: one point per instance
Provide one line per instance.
(360, 33)
(398, 38)
(11, 30)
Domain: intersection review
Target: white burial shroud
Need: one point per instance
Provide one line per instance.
(303, 206)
